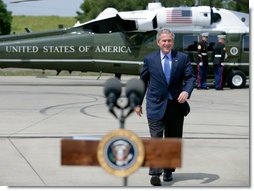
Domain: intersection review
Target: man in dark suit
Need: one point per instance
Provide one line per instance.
(169, 80)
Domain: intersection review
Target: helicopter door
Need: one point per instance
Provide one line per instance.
(245, 49)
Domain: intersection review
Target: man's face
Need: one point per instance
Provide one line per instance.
(222, 40)
(204, 38)
(165, 42)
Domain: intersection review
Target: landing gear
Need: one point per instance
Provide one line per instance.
(236, 79)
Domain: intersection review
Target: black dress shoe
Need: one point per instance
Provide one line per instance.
(167, 176)
(155, 180)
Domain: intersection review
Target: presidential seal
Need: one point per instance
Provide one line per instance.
(121, 152)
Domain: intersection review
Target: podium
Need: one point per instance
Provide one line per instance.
(161, 153)
(122, 152)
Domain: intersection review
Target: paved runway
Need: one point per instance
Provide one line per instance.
(36, 113)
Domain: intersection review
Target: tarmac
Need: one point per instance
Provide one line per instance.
(36, 113)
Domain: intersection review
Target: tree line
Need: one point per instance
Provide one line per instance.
(5, 19)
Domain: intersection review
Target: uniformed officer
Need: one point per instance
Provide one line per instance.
(202, 65)
(218, 57)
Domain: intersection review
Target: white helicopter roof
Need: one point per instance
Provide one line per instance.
(232, 21)
(182, 19)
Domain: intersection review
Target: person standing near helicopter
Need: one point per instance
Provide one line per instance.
(169, 81)
(218, 57)
(202, 65)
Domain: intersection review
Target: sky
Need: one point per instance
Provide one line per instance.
(44, 7)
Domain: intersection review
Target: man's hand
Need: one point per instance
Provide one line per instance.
(183, 97)
(138, 110)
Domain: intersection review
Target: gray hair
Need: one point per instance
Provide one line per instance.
(166, 31)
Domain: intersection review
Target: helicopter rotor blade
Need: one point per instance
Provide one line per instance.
(23, 1)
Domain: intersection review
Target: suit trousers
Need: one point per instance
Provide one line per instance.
(171, 125)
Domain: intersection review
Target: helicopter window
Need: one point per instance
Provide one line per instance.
(211, 42)
(234, 38)
(150, 39)
(246, 43)
(216, 17)
(190, 43)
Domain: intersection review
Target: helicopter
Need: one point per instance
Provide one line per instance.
(116, 42)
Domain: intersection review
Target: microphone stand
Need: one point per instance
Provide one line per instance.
(122, 126)
(122, 119)
(112, 91)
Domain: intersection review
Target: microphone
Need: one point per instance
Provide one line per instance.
(135, 90)
(112, 91)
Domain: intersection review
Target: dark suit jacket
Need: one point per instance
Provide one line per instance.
(182, 79)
